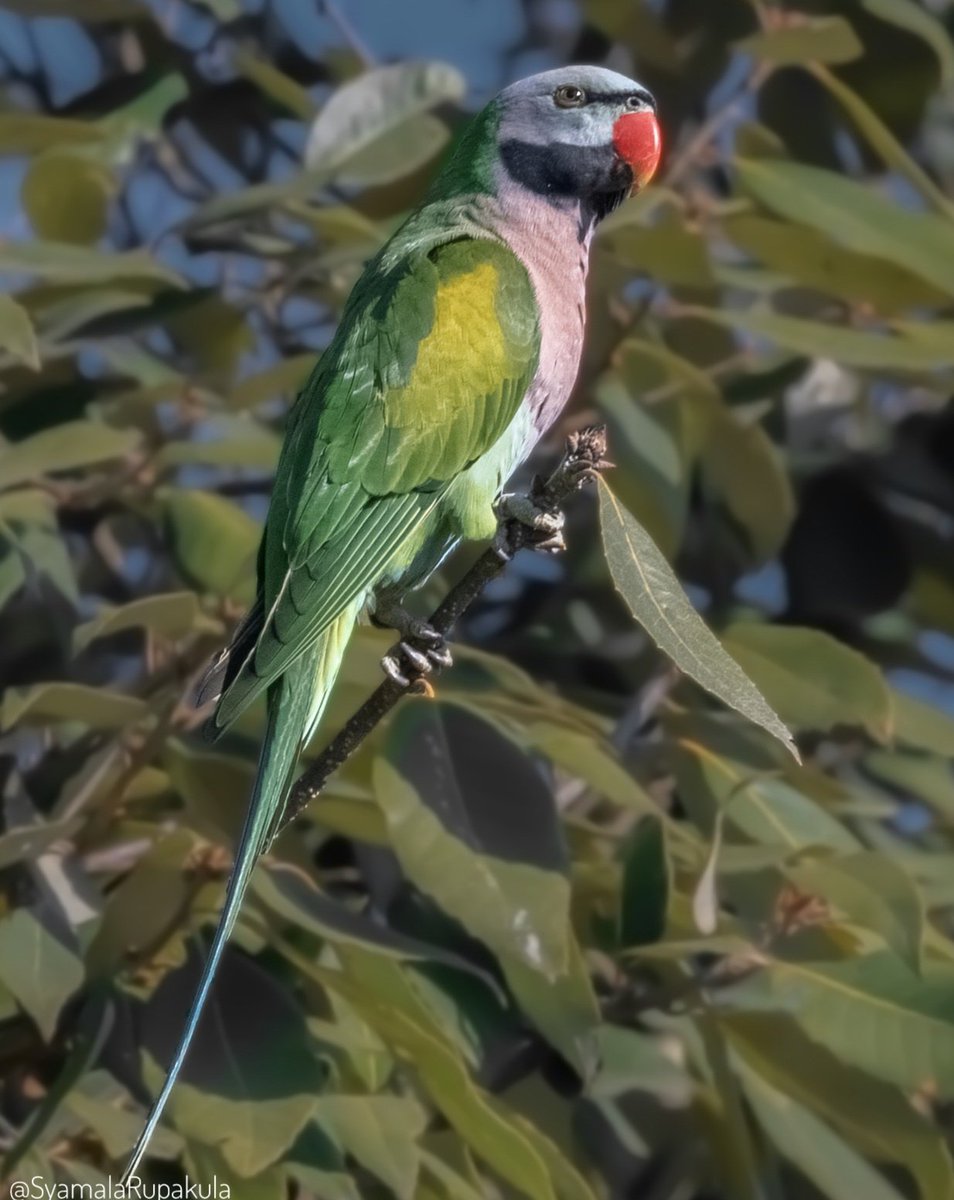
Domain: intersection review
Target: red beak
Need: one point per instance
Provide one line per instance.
(637, 139)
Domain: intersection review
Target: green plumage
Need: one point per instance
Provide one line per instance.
(398, 445)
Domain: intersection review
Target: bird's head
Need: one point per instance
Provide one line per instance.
(579, 135)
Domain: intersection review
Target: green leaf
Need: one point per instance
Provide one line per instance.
(654, 596)
(872, 1012)
(381, 1132)
(285, 378)
(29, 522)
(915, 18)
(17, 337)
(96, 708)
(170, 615)
(850, 347)
(646, 882)
(879, 137)
(89, 186)
(807, 256)
(819, 39)
(242, 444)
(65, 447)
(292, 897)
(765, 808)
(922, 725)
(215, 542)
(276, 84)
(78, 264)
(873, 892)
(31, 132)
(875, 1117)
(38, 969)
(355, 135)
(473, 826)
(650, 446)
(835, 1169)
(926, 777)
(742, 466)
(814, 681)
(485, 1124)
(246, 1095)
(855, 216)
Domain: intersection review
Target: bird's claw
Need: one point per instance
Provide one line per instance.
(544, 524)
(420, 652)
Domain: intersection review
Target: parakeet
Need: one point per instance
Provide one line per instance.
(457, 349)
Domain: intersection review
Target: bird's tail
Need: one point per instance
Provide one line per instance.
(295, 704)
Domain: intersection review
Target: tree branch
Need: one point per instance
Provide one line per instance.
(583, 459)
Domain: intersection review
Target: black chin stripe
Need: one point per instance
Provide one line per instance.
(560, 172)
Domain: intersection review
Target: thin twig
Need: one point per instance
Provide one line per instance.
(585, 456)
(349, 33)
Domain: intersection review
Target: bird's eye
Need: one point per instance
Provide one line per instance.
(569, 96)
(634, 101)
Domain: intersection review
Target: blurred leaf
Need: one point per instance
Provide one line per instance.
(473, 825)
(873, 892)
(649, 444)
(646, 882)
(169, 615)
(875, 1117)
(855, 216)
(357, 131)
(915, 18)
(29, 523)
(822, 39)
(64, 447)
(215, 542)
(246, 1095)
(243, 444)
(767, 809)
(925, 777)
(922, 725)
(850, 347)
(82, 10)
(881, 139)
(78, 264)
(275, 84)
(809, 257)
(837, 1170)
(871, 1012)
(744, 468)
(485, 1124)
(381, 1132)
(670, 250)
(37, 968)
(705, 895)
(293, 897)
(88, 185)
(32, 133)
(17, 336)
(286, 377)
(97, 708)
(656, 599)
(814, 681)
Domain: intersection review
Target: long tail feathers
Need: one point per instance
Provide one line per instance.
(295, 705)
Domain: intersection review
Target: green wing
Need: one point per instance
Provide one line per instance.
(427, 370)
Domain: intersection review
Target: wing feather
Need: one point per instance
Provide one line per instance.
(426, 372)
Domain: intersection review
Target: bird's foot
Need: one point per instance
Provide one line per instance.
(543, 523)
(422, 650)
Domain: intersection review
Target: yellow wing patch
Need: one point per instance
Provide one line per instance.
(465, 339)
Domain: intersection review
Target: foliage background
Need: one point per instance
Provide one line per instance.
(572, 930)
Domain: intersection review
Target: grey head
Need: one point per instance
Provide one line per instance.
(581, 136)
